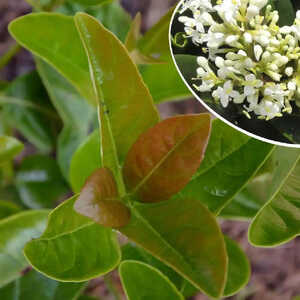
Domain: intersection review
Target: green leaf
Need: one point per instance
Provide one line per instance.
(28, 109)
(277, 222)
(142, 281)
(73, 248)
(248, 202)
(111, 14)
(222, 176)
(132, 109)
(39, 182)
(238, 268)
(286, 11)
(85, 161)
(134, 33)
(54, 38)
(76, 113)
(164, 158)
(9, 148)
(155, 42)
(99, 200)
(35, 286)
(168, 86)
(7, 209)
(16, 231)
(184, 235)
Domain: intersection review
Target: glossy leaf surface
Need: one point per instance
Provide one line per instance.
(35, 286)
(216, 185)
(61, 252)
(9, 147)
(39, 182)
(238, 268)
(75, 111)
(99, 200)
(278, 221)
(30, 111)
(54, 38)
(132, 109)
(185, 235)
(16, 231)
(142, 281)
(85, 161)
(164, 158)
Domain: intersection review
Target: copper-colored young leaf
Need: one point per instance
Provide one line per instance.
(99, 200)
(163, 159)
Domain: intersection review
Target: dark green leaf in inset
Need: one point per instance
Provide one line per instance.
(142, 282)
(39, 182)
(16, 231)
(164, 158)
(73, 248)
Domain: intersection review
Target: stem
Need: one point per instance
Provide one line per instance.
(111, 287)
(6, 58)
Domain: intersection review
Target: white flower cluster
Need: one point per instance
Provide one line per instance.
(250, 61)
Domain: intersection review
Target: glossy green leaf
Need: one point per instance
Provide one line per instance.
(132, 109)
(238, 268)
(30, 111)
(35, 286)
(9, 147)
(111, 14)
(73, 248)
(217, 184)
(184, 235)
(39, 182)
(142, 281)
(131, 251)
(278, 221)
(8, 209)
(54, 38)
(85, 161)
(99, 200)
(16, 231)
(248, 202)
(168, 86)
(164, 158)
(155, 42)
(76, 113)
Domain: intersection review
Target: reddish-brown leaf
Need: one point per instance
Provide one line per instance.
(164, 158)
(99, 200)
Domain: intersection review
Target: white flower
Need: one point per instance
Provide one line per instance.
(268, 109)
(258, 51)
(276, 92)
(254, 8)
(228, 10)
(226, 94)
(225, 67)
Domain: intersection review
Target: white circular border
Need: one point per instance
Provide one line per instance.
(207, 106)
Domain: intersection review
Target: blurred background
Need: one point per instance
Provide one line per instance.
(275, 272)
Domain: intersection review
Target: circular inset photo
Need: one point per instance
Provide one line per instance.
(240, 58)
